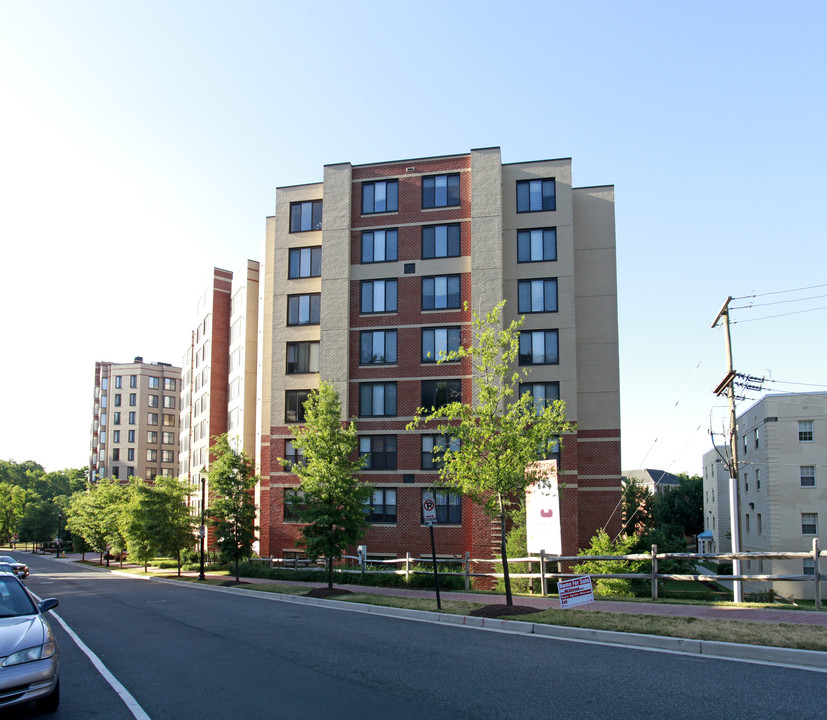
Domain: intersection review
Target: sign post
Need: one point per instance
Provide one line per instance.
(429, 515)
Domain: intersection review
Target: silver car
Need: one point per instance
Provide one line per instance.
(28, 649)
(20, 568)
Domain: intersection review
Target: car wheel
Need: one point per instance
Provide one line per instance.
(49, 703)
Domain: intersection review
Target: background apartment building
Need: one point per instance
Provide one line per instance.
(366, 279)
(219, 377)
(135, 425)
(783, 502)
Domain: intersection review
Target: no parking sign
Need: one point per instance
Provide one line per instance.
(429, 511)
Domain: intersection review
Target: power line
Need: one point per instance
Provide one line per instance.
(778, 302)
(770, 317)
(778, 292)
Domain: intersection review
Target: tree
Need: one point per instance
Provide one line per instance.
(12, 506)
(683, 506)
(232, 508)
(601, 544)
(172, 524)
(638, 507)
(95, 515)
(332, 500)
(39, 521)
(137, 523)
(501, 435)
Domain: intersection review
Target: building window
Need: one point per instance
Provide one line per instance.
(539, 347)
(536, 296)
(154, 383)
(380, 451)
(116, 454)
(381, 507)
(805, 431)
(102, 437)
(433, 447)
(169, 420)
(293, 455)
(302, 357)
(293, 505)
(152, 456)
(543, 394)
(539, 245)
(131, 436)
(808, 475)
(809, 523)
(168, 456)
(169, 402)
(440, 292)
(152, 418)
(133, 381)
(746, 482)
(294, 405)
(168, 438)
(378, 296)
(118, 382)
(117, 399)
(759, 525)
(440, 191)
(746, 444)
(756, 437)
(305, 262)
(440, 241)
(169, 383)
(130, 455)
(536, 195)
(305, 216)
(377, 347)
(380, 246)
(377, 399)
(152, 400)
(448, 505)
(438, 342)
(131, 418)
(116, 436)
(436, 393)
(133, 399)
(116, 418)
(152, 436)
(757, 478)
(303, 309)
(809, 567)
(380, 196)
(746, 520)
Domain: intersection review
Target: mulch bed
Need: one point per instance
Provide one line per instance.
(324, 592)
(232, 583)
(495, 611)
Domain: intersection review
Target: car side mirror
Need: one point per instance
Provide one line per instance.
(48, 604)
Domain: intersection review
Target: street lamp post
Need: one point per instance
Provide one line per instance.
(59, 518)
(202, 531)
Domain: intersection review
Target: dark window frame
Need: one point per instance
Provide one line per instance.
(294, 405)
(453, 336)
(526, 358)
(302, 362)
(389, 400)
(525, 295)
(384, 516)
(391, 201)
(524, 195)
(453, 240)
(525, 245)
(447, 512)
(300, 223)
(314, 309)
(294, 262)
(429, 293)
(368, 337)
(390, 244)
(391, 296)
(453, 191)
(382, 454)
(432, 390)
(429, 459)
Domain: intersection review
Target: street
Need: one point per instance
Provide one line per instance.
(186, 652)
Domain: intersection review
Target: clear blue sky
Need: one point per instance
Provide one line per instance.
(141, 145)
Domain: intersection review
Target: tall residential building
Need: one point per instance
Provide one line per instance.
(782, 453)
(219, 376)
(135, 421)
(372, 273)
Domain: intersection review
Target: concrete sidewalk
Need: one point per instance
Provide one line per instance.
(771, 615)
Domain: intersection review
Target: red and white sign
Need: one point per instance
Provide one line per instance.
(429, 511)
(576, 591)
(542, 512)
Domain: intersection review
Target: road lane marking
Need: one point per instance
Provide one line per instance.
(130, 702)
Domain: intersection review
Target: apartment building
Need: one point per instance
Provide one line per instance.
(135, 420)
(782, 485)
(218, 392)
(367, 276)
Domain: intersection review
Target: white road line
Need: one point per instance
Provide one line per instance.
(130, 702)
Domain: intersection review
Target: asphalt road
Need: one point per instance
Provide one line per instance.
(185, 652)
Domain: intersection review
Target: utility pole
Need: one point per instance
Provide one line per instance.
(728, 385)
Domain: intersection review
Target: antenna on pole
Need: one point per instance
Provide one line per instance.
(727, 386)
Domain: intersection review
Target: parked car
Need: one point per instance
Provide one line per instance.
(29, 652)
(20, 568)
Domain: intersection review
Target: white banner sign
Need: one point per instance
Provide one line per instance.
(542, 513)
(576, 591)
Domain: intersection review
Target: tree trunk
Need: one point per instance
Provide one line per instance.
(506, 576)
(179, 562)
(236, 569)
(330, 573)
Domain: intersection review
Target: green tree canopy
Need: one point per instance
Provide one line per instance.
(501, 435)
(232, 507)
(683, 506)
(12, 507)
(333, 498)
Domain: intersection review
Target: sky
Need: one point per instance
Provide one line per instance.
(141, 145)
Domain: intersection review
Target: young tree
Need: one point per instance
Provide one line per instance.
(137, 523)
(12, 508)
(638, 504)
(682, 506)
(232, 508)
(172, 524)
(500, 435)
(333, 498)
(39, 521)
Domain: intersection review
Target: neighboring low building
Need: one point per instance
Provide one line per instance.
(135, 420)
(782, 446)
(655, 481)
(374, 271)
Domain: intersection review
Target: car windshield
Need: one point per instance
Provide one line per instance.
(14, 600)
(7, 559)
